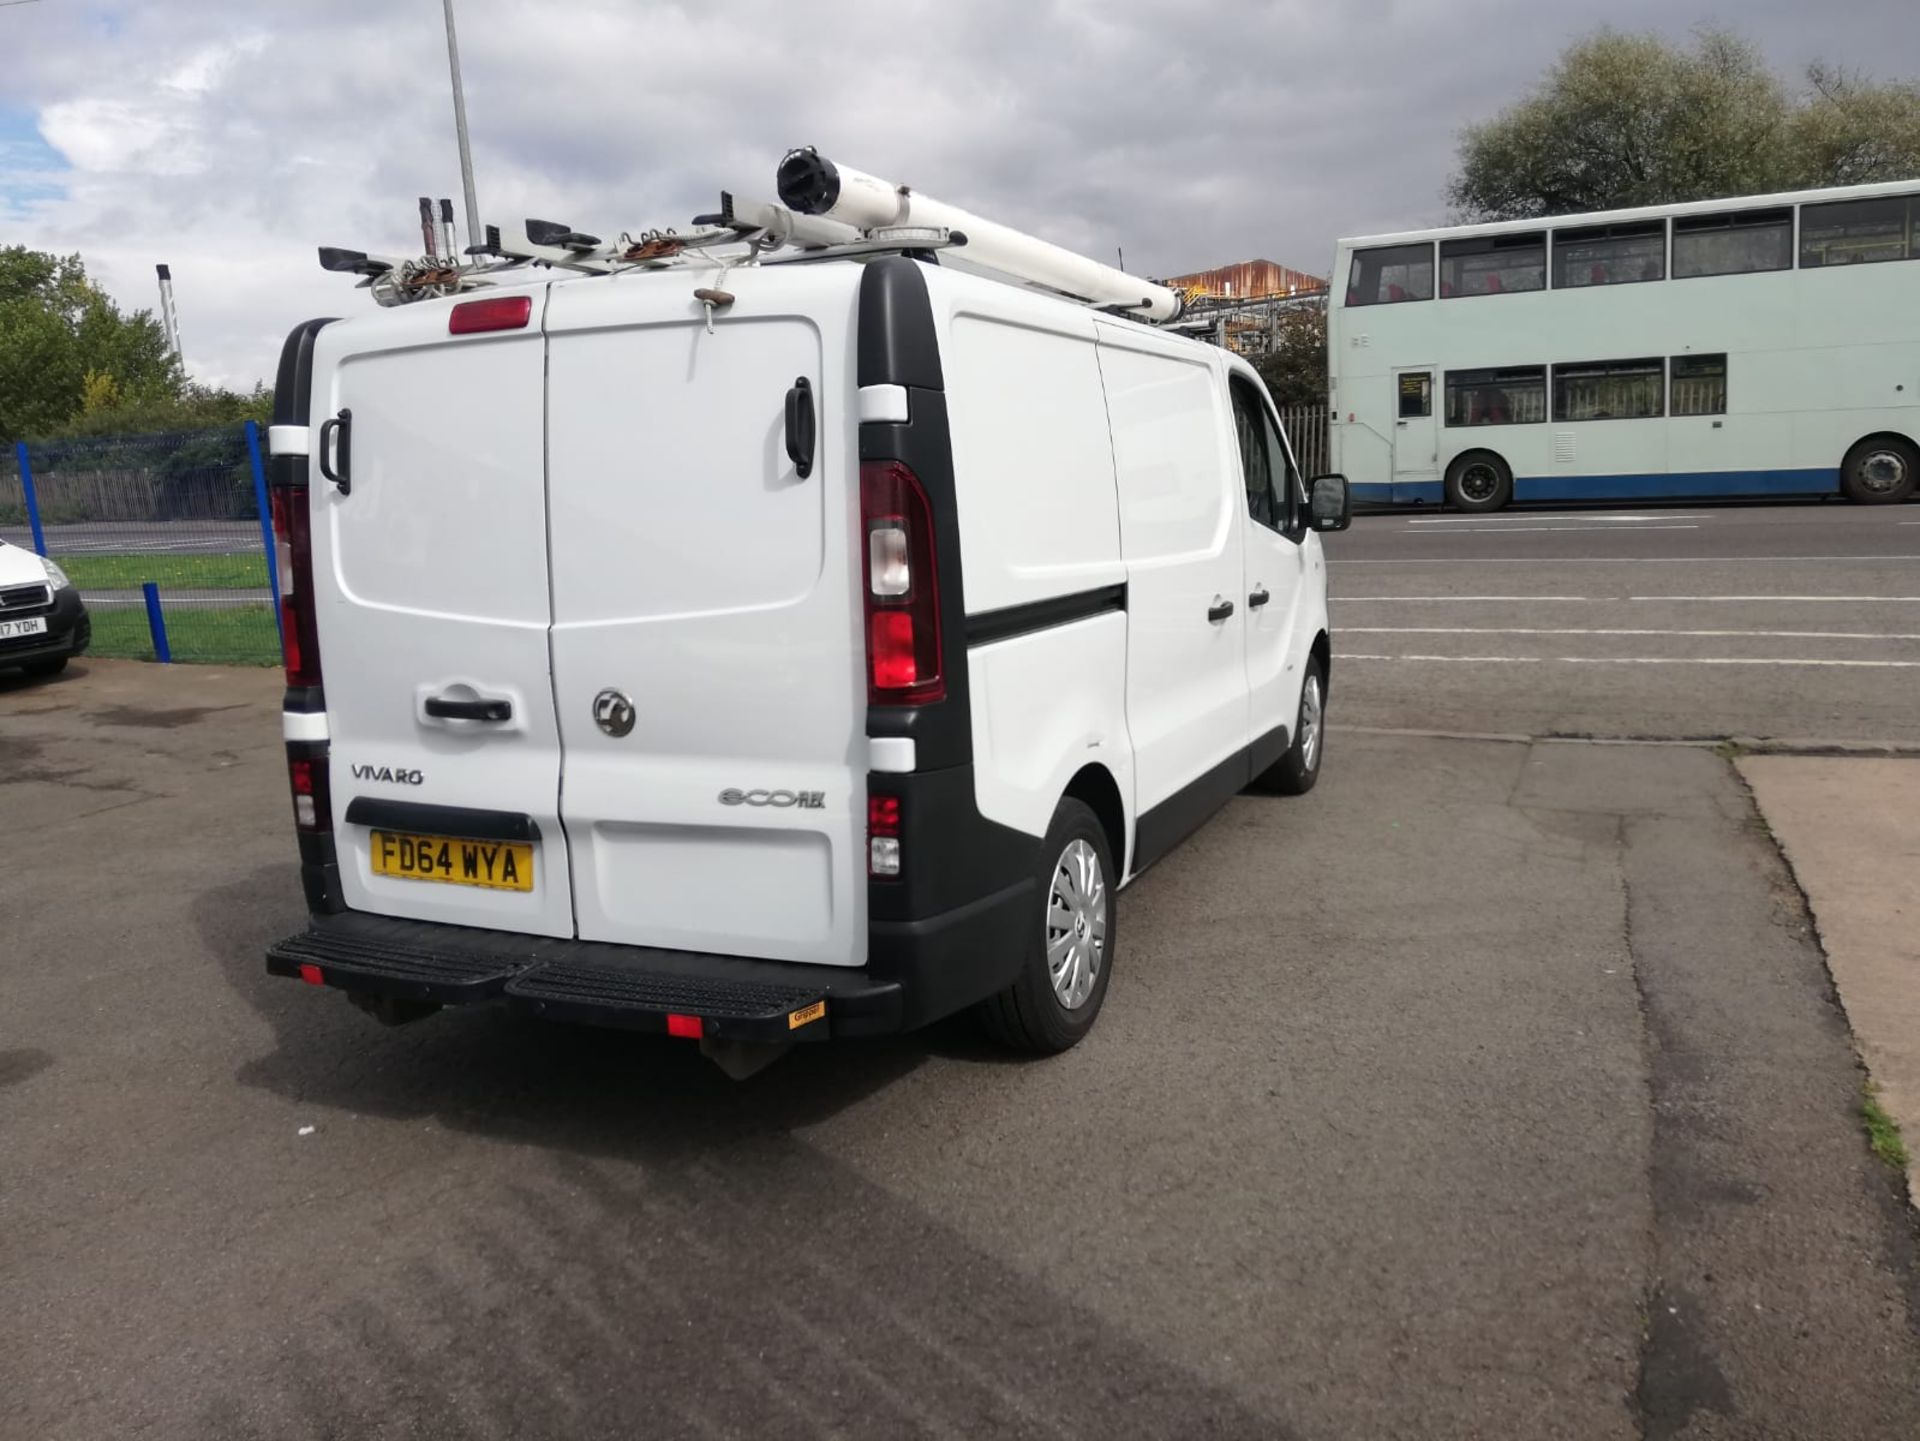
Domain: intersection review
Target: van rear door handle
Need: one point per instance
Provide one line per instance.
(800, 427)
(442, 707)
(1258, 599)
(1219, 610)
(337, 467)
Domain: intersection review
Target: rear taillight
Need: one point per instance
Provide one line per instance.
(299, 636)
(312, 792)
(883, 836)
(902, 587)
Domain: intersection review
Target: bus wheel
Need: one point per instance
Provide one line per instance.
(1479, 480)
(1880, 470)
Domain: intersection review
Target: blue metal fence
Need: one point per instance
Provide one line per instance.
(166, 536)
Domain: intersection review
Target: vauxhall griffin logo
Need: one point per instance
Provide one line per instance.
(613, 713)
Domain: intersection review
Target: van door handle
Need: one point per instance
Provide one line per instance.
(446, 708)
(800, 427)
(342, 426)
(1219, 610)
(1258, 599)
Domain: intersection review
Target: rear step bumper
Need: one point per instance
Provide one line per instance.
(635, 987)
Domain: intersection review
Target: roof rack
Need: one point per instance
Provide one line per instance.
(825, 211)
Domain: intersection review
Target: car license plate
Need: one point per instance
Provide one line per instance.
(36, 625)
(494, 865)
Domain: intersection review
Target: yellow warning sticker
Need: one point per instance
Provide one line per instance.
(799, 1018)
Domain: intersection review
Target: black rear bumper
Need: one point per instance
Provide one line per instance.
(916, 973)
(69, 631)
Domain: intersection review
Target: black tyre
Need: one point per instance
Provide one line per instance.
(1479, 481)
(1880, 470)
(1295, 772)
(46, 667)
(1069, 958)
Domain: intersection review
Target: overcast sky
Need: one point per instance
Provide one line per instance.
(231, 137)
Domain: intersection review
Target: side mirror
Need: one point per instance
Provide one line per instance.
(1330, 503)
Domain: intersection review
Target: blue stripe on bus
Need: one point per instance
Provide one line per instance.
(1685, 485)
(1698, 485)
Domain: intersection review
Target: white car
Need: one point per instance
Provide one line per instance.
(43, 624)
(815, 661)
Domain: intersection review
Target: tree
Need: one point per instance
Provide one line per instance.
(1295, 369)
(1624, 120)
(57, 328)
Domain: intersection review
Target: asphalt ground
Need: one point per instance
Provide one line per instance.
(1494, 1089)
(131, 537)
(1792, 623)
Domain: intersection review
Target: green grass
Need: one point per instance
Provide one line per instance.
(232, 635)
(202, 572)
(1883, 1132)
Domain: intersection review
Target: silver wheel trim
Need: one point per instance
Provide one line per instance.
(1882, 470)
(1479, 481)
(1310, 724)
(1076, 924)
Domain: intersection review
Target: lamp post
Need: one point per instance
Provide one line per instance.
(460, 128)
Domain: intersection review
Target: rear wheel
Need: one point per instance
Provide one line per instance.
(1295, 772)
(1479, 480)
(1063, 977)
(1880, 470)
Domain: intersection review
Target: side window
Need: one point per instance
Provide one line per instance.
(1389, 274)
(1699, 385)
(1735, 242)
(1265, 465)
(1860, 232)
(1516, 395)
(1493, 264)
(1416, 394)
(1609, 390)
(1609, 254)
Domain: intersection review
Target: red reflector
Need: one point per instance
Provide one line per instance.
(883, 815)
(895, 666)
(498, 312)
(302, 773)
(311, 975)
(686, 1026)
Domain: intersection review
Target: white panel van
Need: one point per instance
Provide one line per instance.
(816, 665)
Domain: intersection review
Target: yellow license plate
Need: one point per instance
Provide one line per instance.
(495, 865)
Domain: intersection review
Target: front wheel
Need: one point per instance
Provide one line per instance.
(1880, 470)
(1295, 772)
(1479, 481)
(1063, 977)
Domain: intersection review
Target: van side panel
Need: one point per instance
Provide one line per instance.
(1045, 587)
(1182, 497)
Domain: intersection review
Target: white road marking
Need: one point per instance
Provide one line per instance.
(1424, 598)
(1632, 660)
(1476, 659)
(1795, 599)
(1618, 559)
(1578, 529)
(1484, 519)
(1491, 630)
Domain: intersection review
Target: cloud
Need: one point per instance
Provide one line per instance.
(229, 139)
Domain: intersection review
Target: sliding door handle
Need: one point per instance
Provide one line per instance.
(1219, 610)
(1258, 599)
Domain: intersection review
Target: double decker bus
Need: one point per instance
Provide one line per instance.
(1764, 345)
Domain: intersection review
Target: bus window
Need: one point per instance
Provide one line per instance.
(1416, 394)
(1610, 254)
(1859, 232)
(1609, 390)
(1391, 273)
(1493, 264)
(1699, 384)
(1736, 242)
(1516, 395)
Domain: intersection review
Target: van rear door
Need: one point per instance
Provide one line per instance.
(430, 569)
(707, 653)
